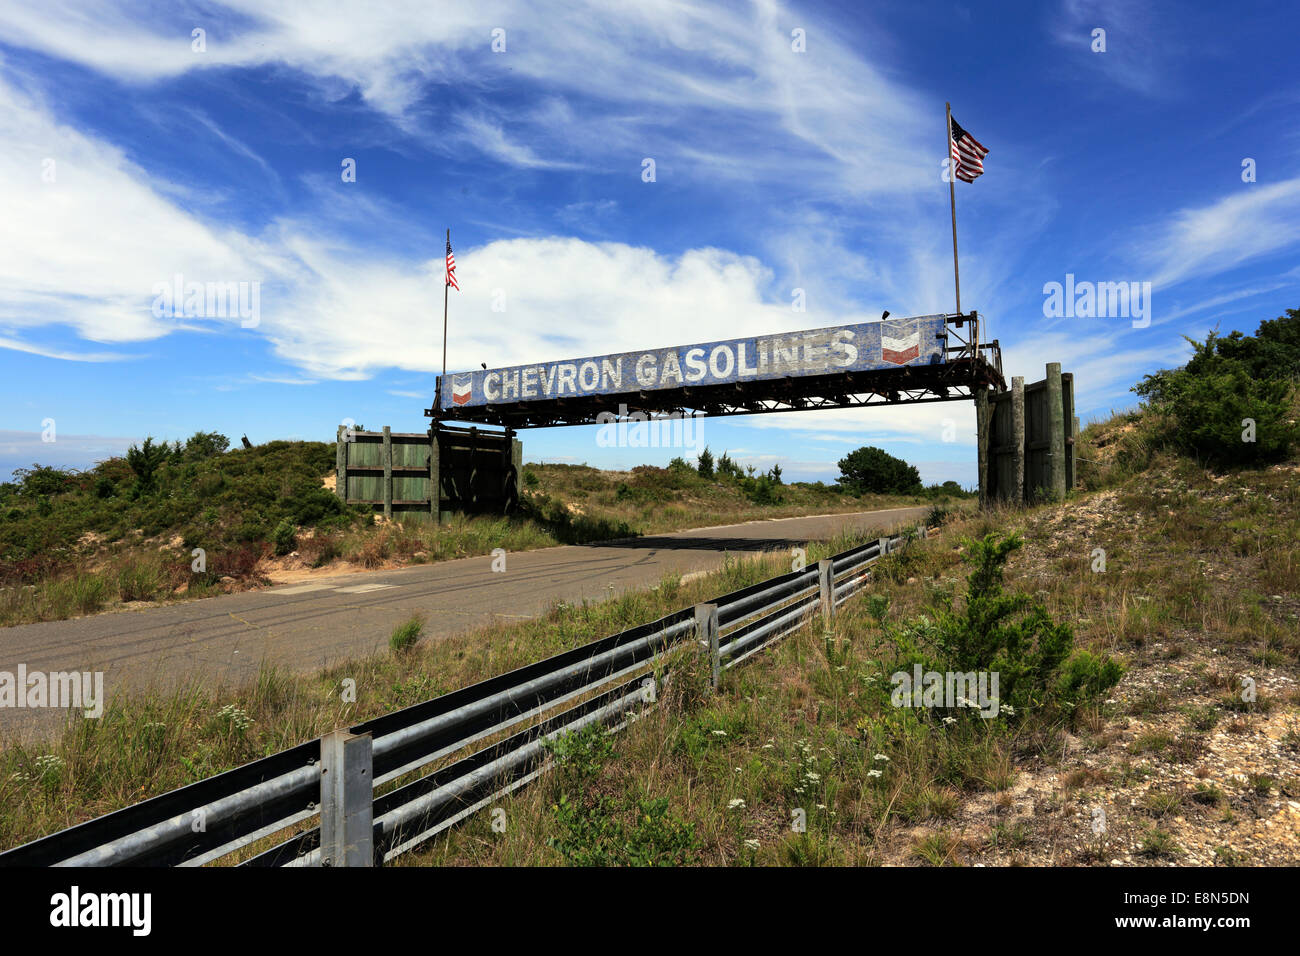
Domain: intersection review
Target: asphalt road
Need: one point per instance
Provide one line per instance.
(308, 626)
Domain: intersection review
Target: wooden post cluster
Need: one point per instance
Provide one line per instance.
(1026, 439)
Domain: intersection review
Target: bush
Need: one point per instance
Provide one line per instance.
(1034, 657)
(204, 445)
(763, 490)
(1207, 408)
(284, 537)
(705, 467)
(871, 470)
(937, 517)
(728, 468)
(41, 481)
(145, 461)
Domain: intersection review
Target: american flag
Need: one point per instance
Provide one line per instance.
(967, 155)
(451, 268)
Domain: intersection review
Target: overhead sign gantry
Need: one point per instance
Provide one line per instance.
(928, 358)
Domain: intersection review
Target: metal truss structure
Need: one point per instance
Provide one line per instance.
(969, 366)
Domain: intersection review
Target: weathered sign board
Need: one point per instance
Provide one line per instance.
(866, 346)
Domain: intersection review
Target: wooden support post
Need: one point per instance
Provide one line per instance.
(435, 476)
(346, 800)
(826, 585)
(1018, 436)
(1071, 427)
(1074, 452)
(706, 631)
(469, 494)
(1055, 433)
(982, 443)
(388, 472)
(341, 465)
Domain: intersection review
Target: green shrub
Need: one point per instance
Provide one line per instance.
(937, 517)
(1230, 388)
(285, 536)
(1038, 668)
(145, 460)
(705, 460)
(763, 490)
(871, 470)
(203, 445)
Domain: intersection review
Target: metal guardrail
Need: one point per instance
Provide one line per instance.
(334, 778)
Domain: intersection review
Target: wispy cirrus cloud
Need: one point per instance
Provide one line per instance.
(626, 68)
(1254, 221)
(1141, 43)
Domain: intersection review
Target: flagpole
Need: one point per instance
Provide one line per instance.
(952, 203)
(445, 283)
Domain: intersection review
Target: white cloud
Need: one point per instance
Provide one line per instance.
(1254, 221)
(832, 109)
(1140, 40)
(87, 249)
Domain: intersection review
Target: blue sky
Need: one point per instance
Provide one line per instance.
(134, 153)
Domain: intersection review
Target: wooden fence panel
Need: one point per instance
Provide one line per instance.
(477, 471)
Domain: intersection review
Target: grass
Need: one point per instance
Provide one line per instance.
(406, 634)
(147, 743)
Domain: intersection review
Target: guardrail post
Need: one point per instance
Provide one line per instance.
(706, 630)
(346, 800)
(883, 547)
(826, 581)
